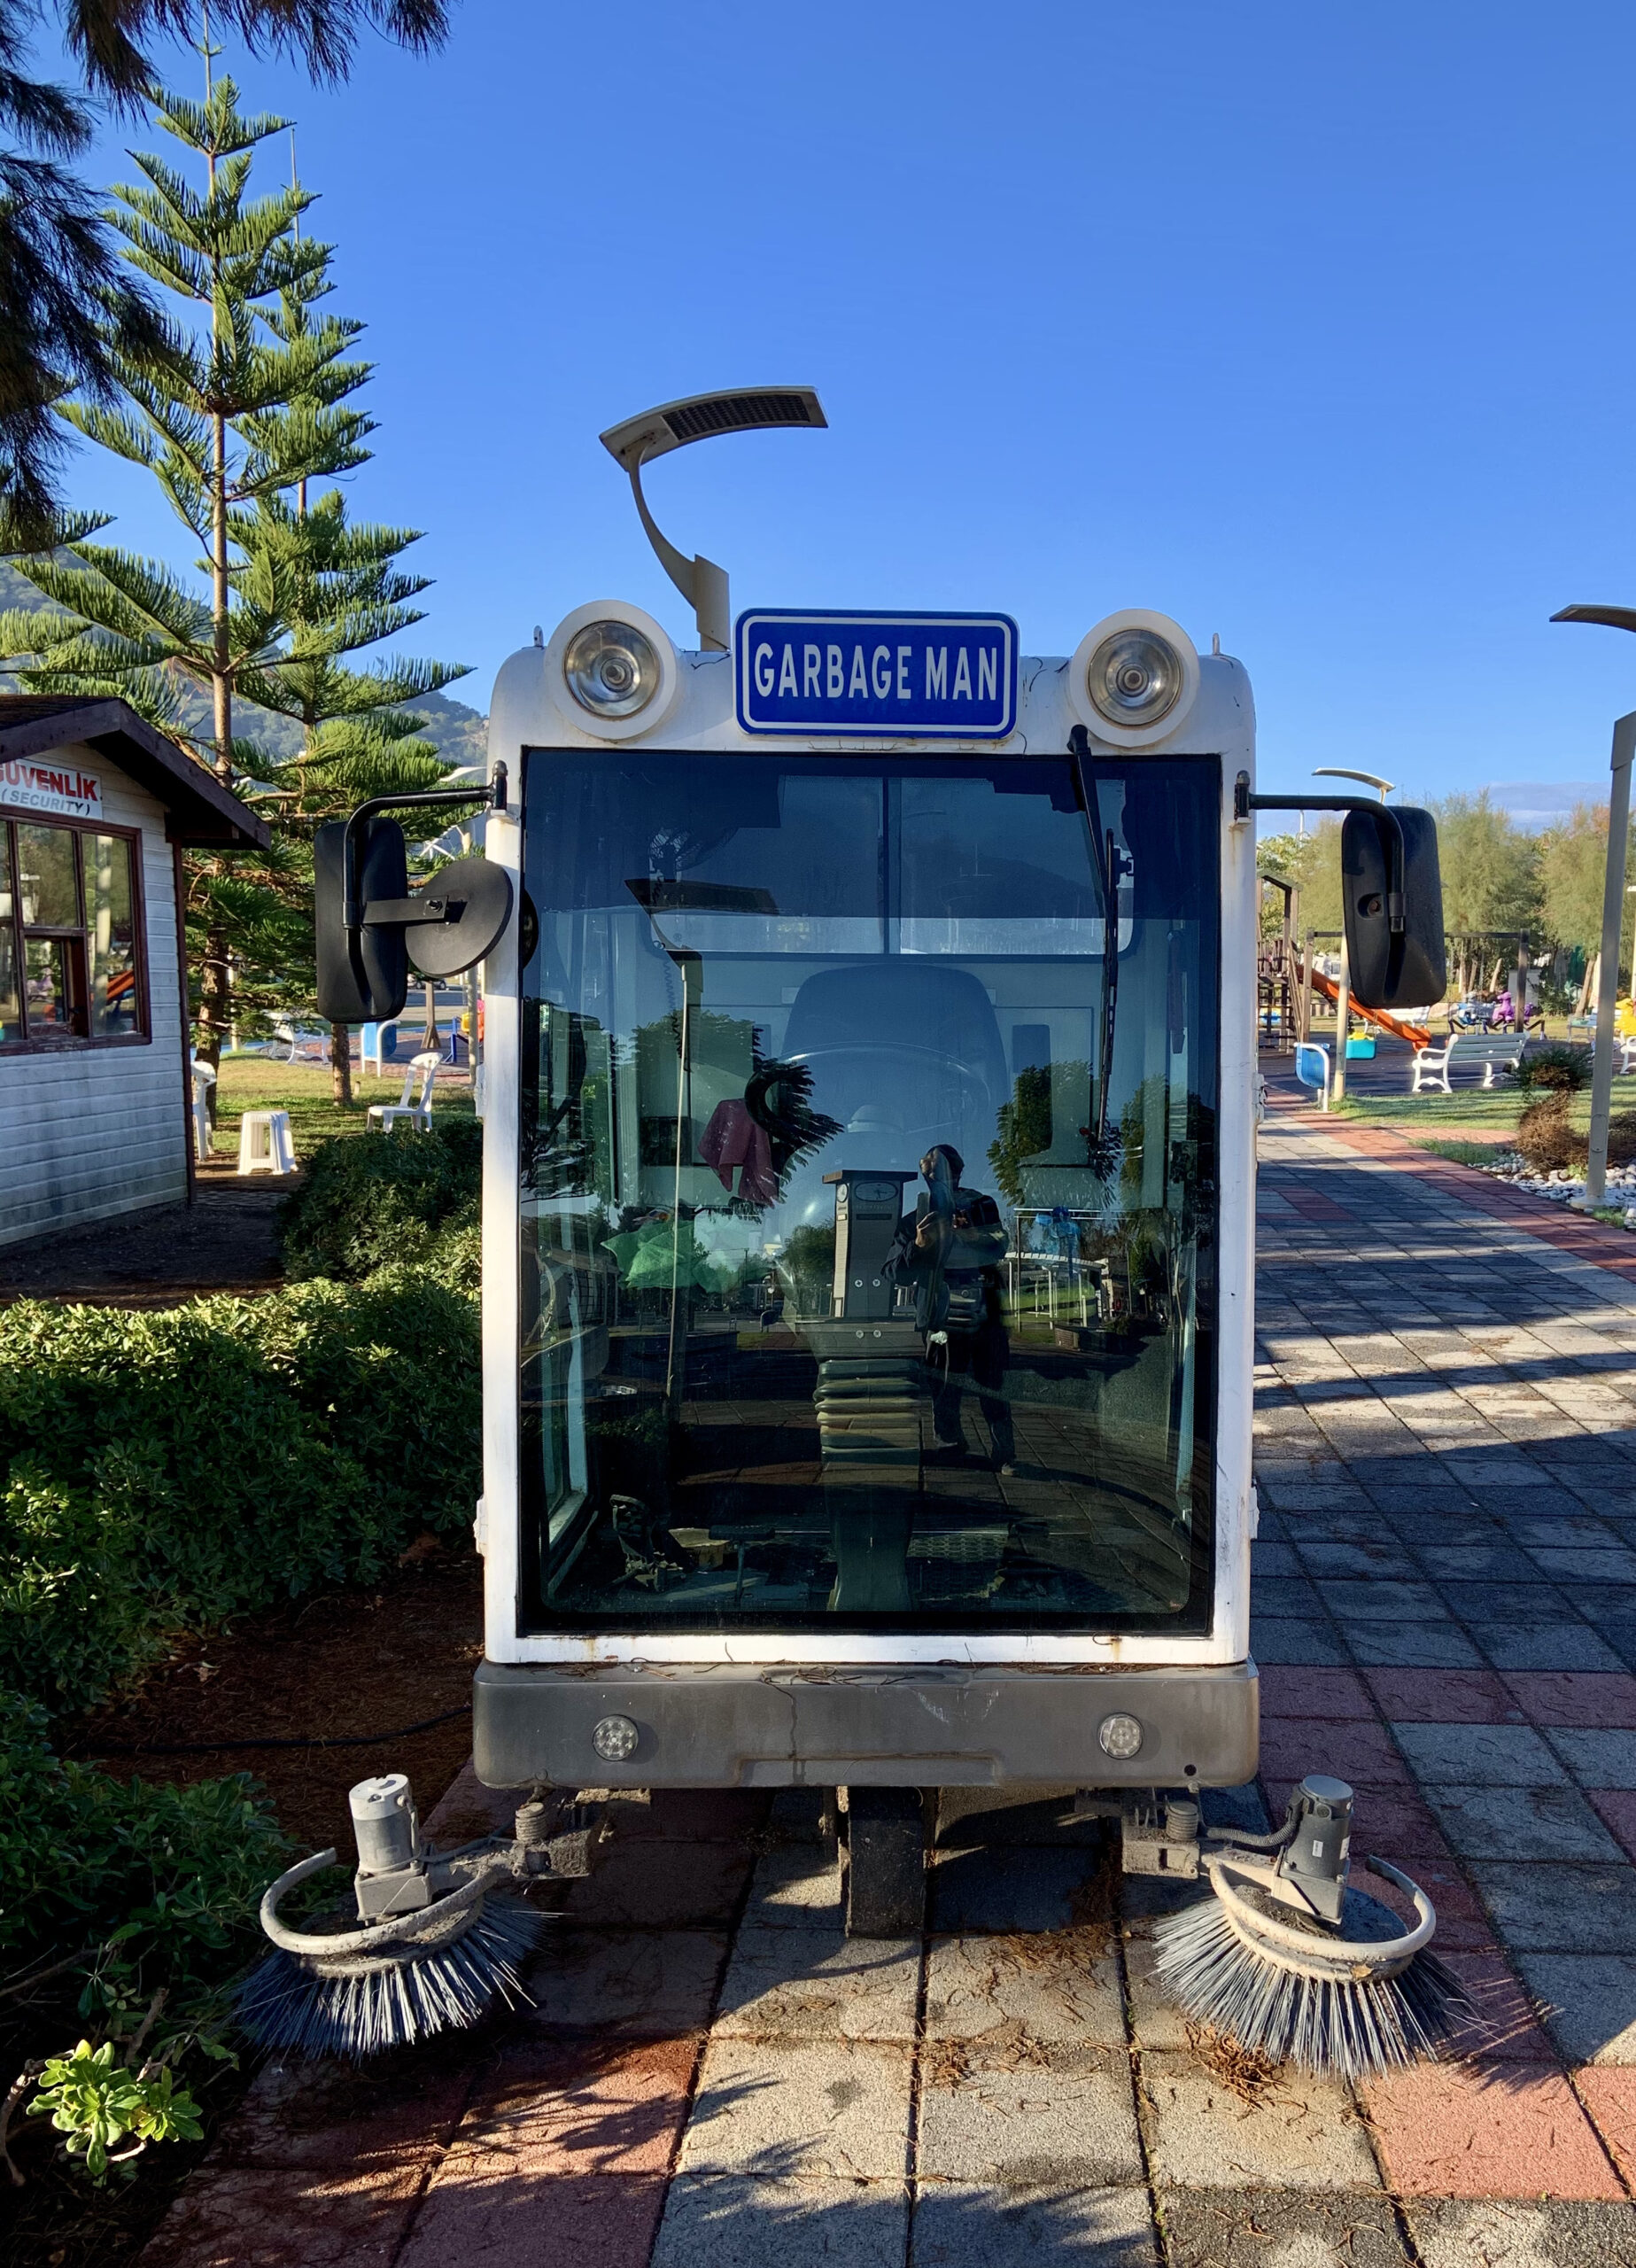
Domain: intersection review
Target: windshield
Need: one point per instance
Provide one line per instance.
(868, 1197)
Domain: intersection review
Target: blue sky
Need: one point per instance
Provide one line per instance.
(1313, 327)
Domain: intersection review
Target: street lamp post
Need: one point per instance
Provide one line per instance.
(1343, 995)
(1612, 618)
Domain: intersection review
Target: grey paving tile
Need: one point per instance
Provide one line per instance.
(1008, 1889)
(1257, 2228)
(1502, 1606)
(1304, 2134)
(1588, 2000)
(818, 1985)
(1412, 1646)
(960, 2224)
(1383, 1601)
(797, 1887)
(1499, 1756)
(1583, 1563)
(1060, 1990)
(1543, 1907)
(734, 2221)
(1562, 1645)
(1275, 1638)
(839, 2110)
(1022, 2116)
(1326, 1560)
(1284, 1598)
(637, 1983)
(1462, 2232)
(1597, 1759)
(1551, 1823)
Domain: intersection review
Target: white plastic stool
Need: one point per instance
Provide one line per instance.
(264, 1143)
(204, 1079)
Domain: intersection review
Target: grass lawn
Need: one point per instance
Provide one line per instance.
(256, 1082)
(1472, 1122)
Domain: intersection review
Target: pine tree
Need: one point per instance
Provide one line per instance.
(59, 278)
(343, 592)
(227, 415)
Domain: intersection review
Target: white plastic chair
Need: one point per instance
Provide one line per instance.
(1627, 1057)
(1431, 1067)
(264, 1142)
(422, 1071)
(204, 1079)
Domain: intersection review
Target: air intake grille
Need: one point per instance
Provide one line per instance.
(730, 413)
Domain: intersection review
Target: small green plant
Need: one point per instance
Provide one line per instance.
(1556, 1071)
(99, 2105)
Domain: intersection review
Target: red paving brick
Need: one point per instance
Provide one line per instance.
(1396, 1824)
(1486, 2130)
(1326, 1694)
(1505, 2028)
(508, 2219)
(405, 2107)
(1617, 1806)
(1609, 2095)
(1462, 1925)
(1597, 1698)
(1355, 1749)
(573, 2106)
(1443, 1697)
(234, 2217)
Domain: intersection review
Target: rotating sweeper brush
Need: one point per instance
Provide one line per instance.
(439, 1939)
(1290, 1961)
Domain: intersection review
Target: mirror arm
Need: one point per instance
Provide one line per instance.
(1244, 803)
(352, 913)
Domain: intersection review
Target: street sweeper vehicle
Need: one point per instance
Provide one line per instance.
(868, 1218)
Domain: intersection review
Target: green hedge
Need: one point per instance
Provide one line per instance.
(158, 1883)
(161, 1470)
(385, 1199)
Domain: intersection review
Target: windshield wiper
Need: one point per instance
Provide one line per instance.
(1103, 1150)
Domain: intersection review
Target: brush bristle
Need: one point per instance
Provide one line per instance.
(1347, 2029)
(287, 2005)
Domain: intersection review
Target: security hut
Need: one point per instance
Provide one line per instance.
(95, 810)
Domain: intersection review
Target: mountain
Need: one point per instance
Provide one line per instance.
(459, 733)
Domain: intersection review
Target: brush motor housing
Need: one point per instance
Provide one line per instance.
(391, 1876)
(1317, 1857)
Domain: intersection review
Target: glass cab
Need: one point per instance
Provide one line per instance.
(867, 1126)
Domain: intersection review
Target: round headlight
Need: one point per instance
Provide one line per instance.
(614, 1739)
(611, 669)
(1135, 678)
(1120, 1736)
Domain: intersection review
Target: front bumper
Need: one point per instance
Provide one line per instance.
(922, 1725)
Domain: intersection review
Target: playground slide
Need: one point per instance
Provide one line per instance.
(1415, 1034)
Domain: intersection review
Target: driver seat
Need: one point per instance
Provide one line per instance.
(912, 1000)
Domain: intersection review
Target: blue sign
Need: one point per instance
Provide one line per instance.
(877, 676)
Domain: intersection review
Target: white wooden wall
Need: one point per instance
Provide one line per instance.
(89, 1132)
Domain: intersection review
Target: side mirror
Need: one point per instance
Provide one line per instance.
(365, 947)
(363, 975)
(1392, 899)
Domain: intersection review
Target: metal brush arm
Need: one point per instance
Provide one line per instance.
(1326, 1956)
(401, 1929)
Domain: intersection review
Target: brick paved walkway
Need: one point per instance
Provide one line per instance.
(1446, 1613)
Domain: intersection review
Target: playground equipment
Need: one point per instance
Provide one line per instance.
(868, 1214)
(1416, 1034)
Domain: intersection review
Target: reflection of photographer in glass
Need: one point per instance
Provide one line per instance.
(951, 1251)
